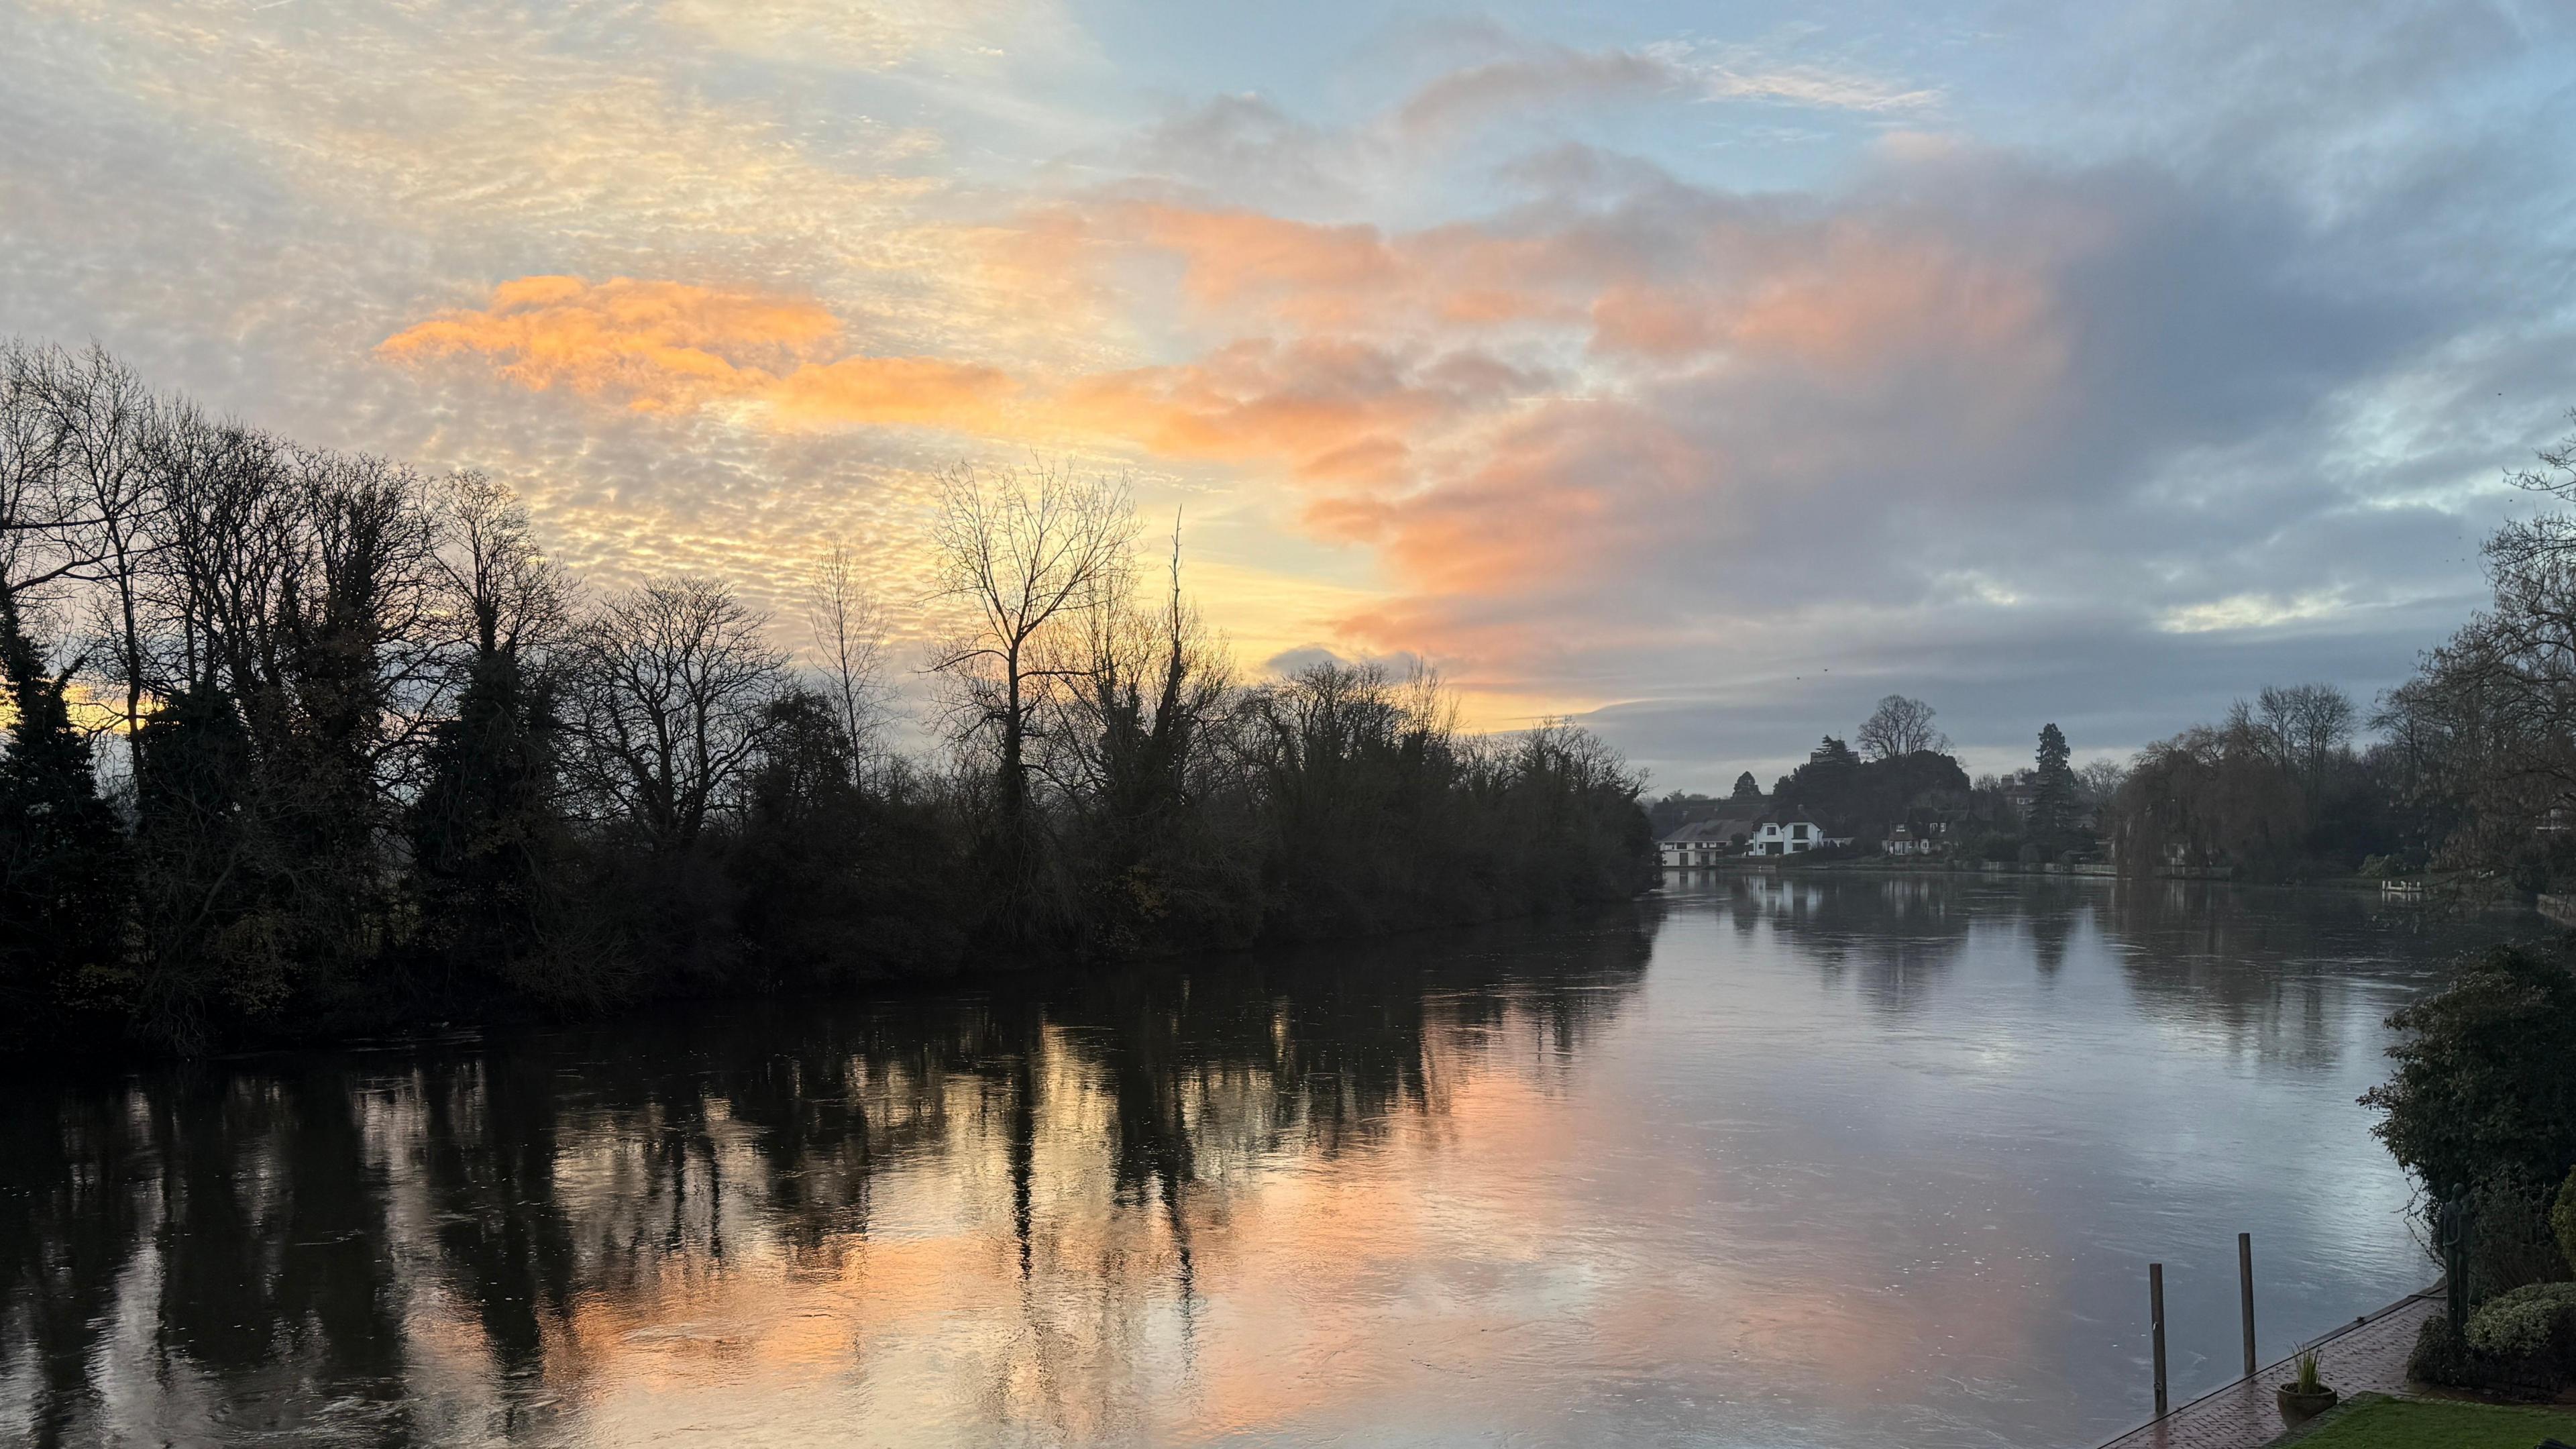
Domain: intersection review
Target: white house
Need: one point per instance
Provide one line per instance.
(1786, 837)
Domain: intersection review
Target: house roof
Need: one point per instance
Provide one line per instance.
(1709, 832)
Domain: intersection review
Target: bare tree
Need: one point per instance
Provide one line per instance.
(33, 510)
(1137, 714)
(2302, 726)
(671, 690)
(2098, 782)
(111, 435)
(506, 595)
(1899, 727)
(1021, 555)
(848, 627)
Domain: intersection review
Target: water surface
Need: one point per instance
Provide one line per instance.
(1818, 1161)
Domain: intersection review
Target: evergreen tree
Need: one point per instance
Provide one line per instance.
(1748, 791)
(2052, 805)
(212, 913)
(485, 835)
(63, 866)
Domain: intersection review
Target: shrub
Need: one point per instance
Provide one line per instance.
(2527, 1322)
(2482, 1091)
(2511, 1244)
(2441, 1356)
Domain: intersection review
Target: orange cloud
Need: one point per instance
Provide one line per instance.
(1496, 411)
(659, 345)
(1326, 408)
(878, 391)
(1329, 409)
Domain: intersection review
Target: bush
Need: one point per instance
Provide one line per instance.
(2529, 1335)
(2524, 1322)
(2511, 1244)
(2482, 1092)
(2523, 1342)
(2442, 1357)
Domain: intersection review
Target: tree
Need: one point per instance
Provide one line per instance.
(115, 437)
(2482, 1092)
(2212, 795)
(1135, 738)
(210, 875)
(2303, 725)
(486, 832)
(847, 624)
(1899, 727)
(63, 866)
(2098, 783)
(670, 689)
(2052, 802)
(1748, 791)
(1020, 555)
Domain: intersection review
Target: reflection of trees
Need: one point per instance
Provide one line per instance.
(2267, 969)
(266, 1215)
(70, 1224)
(245, 1211)
(1902, 933)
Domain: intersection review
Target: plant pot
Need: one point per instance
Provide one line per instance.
(2299, 1408)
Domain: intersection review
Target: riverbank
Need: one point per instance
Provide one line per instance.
(2560, 909)
(2367, 1355)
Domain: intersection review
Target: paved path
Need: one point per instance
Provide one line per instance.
(2369, 1355)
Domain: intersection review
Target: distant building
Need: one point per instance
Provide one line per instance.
(2017, 796)
(1704, 842)
(1786, 837)
(1923, 833)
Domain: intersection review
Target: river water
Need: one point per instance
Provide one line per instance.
(1818, 1161)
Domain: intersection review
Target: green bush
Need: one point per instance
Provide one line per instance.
(2482, 1092)
(2526, 1322)
(2441, 1356)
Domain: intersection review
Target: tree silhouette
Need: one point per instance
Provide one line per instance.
(2052, 803)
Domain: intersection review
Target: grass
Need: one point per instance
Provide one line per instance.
(2440, 1424)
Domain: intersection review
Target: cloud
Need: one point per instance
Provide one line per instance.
(655, 344)
(1571, 367)
(1577, 439)
(1541, 76)
(1328, 409)
(876, 35)
(2250, 611)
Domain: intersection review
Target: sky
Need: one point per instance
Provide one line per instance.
(1701, 371)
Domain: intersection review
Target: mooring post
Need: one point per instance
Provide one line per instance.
(2245, 1289)
(2156, 1320)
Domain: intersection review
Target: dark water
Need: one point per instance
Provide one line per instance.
(1846, 1161)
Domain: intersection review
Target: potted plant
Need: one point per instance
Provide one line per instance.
(2307, 1396)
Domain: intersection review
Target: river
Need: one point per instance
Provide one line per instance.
(1824, 1160)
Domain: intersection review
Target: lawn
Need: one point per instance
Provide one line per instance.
(2441, 1424)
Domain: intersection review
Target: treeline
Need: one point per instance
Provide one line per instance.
(2472, 769)
(2278, 790)
(1904, 776)
(303, 741)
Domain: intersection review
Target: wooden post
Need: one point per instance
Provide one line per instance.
(2245, 1289)
(2156, 1320)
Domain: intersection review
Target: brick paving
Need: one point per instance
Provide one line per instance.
(2365, 1356)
